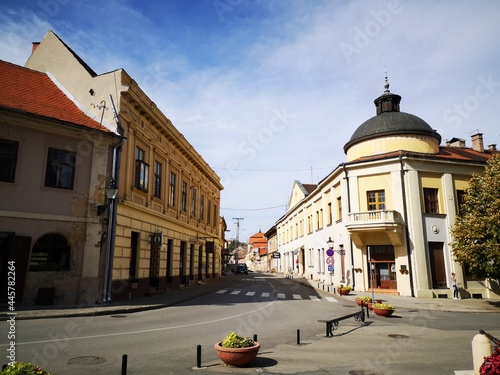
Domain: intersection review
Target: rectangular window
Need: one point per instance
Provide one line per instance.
(60, 172)
(209, 213)
(431, 201)
(215, 215)
(376, 200)
(157, 180)
(184, 196)
(339, 208)
(329, 217)
(8, 159)
(171, 199)
(460, 201)
(202, 207)
(193, 202)
(141, 170)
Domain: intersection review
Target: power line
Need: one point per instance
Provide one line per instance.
(270, 170)
(253, 209)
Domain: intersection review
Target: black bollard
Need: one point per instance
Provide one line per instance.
(124, 364)
(298, 337)
(198, 356)
(255, 337)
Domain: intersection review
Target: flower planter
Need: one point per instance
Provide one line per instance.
(237, 357)
(383, 312)
(344, 292)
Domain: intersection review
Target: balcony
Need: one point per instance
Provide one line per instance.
(360, 224)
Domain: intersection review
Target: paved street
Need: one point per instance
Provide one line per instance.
(418, 339)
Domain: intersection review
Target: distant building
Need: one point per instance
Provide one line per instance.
(387, 210)
(257, 252)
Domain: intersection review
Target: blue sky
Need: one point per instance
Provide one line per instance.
(269, 92)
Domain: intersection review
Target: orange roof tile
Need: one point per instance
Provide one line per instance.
(33, 92)
(445, 153)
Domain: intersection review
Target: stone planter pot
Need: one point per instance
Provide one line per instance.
(361, 302)
(237, 357)
(383, 312)
(344, 292)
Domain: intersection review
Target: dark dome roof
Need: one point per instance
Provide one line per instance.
(391, 123)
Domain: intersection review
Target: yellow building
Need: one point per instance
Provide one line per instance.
(383, 217)
(164, 227)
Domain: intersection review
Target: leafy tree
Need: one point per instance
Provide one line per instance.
(476, 232)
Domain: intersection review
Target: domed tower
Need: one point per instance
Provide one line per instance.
(391, 130)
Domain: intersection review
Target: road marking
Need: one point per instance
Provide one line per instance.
(281, 295)
(296, 296)
(236, 292)
(221, 291)
(265, 294)
(331, 299)
(250, 293)
(314, 298)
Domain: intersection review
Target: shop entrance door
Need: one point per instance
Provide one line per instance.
(383, 275)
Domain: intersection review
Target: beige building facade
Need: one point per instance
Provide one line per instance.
(164, 224)
(387, 211)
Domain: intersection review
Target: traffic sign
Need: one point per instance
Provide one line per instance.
(330, 269)
(330, 260)
(329, 252)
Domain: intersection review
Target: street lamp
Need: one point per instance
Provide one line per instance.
(111, 193)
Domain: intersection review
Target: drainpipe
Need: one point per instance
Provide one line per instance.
(348, 212)
(407, 233)
(115, 175)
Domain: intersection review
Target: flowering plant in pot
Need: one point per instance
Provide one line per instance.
(363, 300)
(236, 350)
(383, 309)
(344, 290)
(23, 368)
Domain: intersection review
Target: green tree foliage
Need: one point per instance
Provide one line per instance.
(476, 233)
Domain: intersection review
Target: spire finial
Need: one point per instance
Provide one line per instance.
(386, 84)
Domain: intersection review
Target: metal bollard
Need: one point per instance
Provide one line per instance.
(298, 337)
(124, 364)
(255, 337)
(481, 347)
(198, 356)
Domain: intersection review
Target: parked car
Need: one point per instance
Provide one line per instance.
(242, 268)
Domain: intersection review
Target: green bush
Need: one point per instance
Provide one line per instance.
(365, 299)
(384, 306)
(22, 368)
(233, 340)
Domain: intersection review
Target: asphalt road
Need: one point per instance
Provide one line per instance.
(165, 341)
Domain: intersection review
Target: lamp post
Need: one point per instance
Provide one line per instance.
(111, 192)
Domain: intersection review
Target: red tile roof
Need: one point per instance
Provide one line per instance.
(445, 153)
(32, 92)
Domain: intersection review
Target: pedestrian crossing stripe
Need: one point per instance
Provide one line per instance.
(278, 295)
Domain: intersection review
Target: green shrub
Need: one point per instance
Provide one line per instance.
(233, 340)
(22, 368)
(365, 299)
(385, 306)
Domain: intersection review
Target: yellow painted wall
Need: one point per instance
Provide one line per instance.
(427, 145)
(375, 182)
(432, 181)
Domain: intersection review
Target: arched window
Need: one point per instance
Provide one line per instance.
(50, 253)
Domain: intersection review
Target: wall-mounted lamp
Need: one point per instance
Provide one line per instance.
(111, 192)
(403, 270)
(358, 270)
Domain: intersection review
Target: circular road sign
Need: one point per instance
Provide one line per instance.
(330, 260)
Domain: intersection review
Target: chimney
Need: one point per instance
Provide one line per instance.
(34, 46)
(455, 142)
(492, 147)
(477, 142)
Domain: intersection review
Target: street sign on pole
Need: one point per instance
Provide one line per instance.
(330, 269)
(330, 260)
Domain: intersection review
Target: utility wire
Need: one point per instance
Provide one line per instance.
(270, 170)
(253, 209)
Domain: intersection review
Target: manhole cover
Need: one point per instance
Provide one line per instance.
(118, 316)
(365, 372)
(396, 336)
(87, 360)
